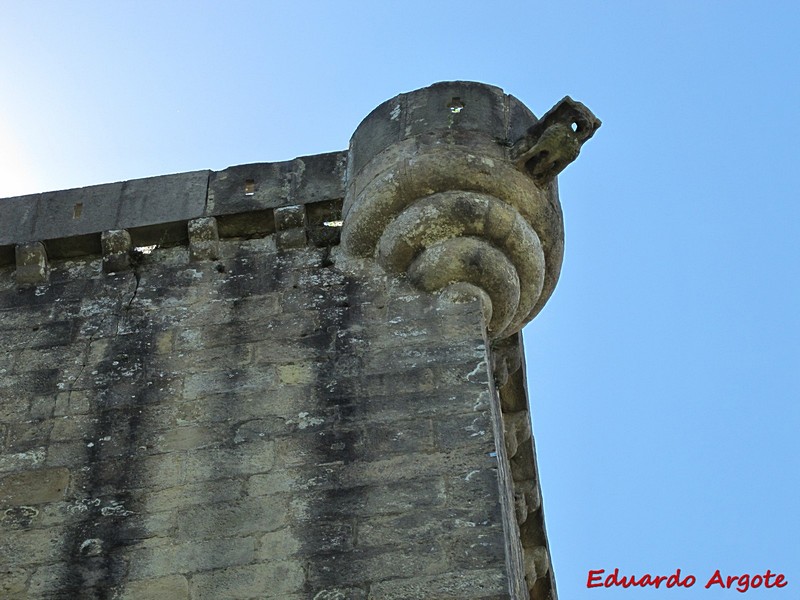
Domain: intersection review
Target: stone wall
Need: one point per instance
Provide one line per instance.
(262, 425)
(204, 395)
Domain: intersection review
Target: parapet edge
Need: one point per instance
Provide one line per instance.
(147, 202)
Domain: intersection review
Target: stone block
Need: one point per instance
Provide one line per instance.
(162, 199)
(291, 238)
(267, 580)
(398, 437)
(283, 543)
(191, 494)
(60, 214)
(290, 217)
(526, 499)
(57, 333)
(89, 210)
(516, 430)
(230, 381)
(256, 430)
(68, 454)
(34, 487)
(28, 547)
(72, 403)
(41, 408)
(359, 567)
(341, 475)
(465, 431)
(290, 224)
(294, 374)
(78, 427)
(270, 330)
(155, 472)
(172, 587)
(185, 438)
(203, 239)
(13, 580)
(481, 584)
(254, 187)
(452, 525)
(32, 266)
(22, 437)
(240, 518)
(11, 411)
(117, 249)
(392, 497)
(219, 463)
(36, 381)
(165, 557)
(27, 459)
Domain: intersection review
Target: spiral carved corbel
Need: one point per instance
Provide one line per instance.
(471, 237)
(453, 185)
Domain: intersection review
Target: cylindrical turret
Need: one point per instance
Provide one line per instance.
(454, 185)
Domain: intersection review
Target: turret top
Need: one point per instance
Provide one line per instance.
(454, 185)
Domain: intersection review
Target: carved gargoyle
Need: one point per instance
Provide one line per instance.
(554, 141)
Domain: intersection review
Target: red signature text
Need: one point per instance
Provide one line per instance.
(646, 580)
(742, 583)
(746, 582)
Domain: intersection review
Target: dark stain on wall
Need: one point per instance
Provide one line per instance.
(124, 387)
(326, 537)
(101, 530)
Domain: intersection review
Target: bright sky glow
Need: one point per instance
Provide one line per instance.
(664, 371)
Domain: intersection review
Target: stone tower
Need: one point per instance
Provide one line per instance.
(297, 380)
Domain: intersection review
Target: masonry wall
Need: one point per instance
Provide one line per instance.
(272, 424)
(295, 380)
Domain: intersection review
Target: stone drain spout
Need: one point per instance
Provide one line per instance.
(555, 140)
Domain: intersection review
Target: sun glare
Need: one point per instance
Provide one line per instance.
(15, 170)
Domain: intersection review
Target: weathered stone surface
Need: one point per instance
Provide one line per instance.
(127, 204)
(555, 140)
(268, 580)
(517, 430)
(32, 267)
(290, 223)
(290, 217)
(264, 186)
(203, 239)
(117, 249)
(34, 487)
(483, 584)
(13, 582)
(268, 415)
(162, 558)
(174, 587)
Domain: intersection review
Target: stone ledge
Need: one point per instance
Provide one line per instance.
(320, 228)
(152, 201)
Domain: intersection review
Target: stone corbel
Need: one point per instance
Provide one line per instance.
(32, 265)
(431, 195)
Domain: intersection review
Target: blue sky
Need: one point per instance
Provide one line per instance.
(664, 371)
